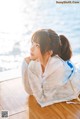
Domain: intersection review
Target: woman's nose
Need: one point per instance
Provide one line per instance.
(32, 48)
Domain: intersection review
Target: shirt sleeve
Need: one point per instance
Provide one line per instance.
(25, 77)
(37, 87)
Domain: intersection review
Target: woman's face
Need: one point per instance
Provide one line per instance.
(35, 52)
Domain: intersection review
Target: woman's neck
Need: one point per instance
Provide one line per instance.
(44, 61)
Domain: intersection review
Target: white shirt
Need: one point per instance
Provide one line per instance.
(56, 84)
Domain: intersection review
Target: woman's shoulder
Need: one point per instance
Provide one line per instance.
(57, 60)
(67, 62)
(56, 63)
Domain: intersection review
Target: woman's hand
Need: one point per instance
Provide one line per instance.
(27, 59)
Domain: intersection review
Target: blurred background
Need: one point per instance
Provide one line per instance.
(20, 18)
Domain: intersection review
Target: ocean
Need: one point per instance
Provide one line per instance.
(20, 18)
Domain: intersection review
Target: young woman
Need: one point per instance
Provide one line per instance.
(48, 73)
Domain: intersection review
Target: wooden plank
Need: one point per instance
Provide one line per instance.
(0, 110)
(55, 111)
(22, 115)
(0, 94)
(14, 99)
(72, 110)
(42, 113)
(13, 96)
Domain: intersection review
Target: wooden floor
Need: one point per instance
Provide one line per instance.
(14, 99)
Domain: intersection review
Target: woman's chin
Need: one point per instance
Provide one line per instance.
(32, 58)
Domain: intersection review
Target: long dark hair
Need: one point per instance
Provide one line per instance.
(49, 40)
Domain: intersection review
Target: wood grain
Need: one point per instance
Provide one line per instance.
(21, 115)
(55, 111)
(13, 96)
(0, 110)
(20, 105)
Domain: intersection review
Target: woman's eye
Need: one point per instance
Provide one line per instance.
(37, 45)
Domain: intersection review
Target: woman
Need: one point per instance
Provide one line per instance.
(48, 73)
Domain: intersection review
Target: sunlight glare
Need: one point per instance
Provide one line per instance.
(11, 19)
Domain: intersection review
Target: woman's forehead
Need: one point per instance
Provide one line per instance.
(36, 40)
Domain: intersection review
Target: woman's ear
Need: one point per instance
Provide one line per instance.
(50, 52)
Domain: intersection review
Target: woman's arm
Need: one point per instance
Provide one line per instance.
(37, 87)
(25, 75)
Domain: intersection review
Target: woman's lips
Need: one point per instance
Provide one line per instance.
(32, 54)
